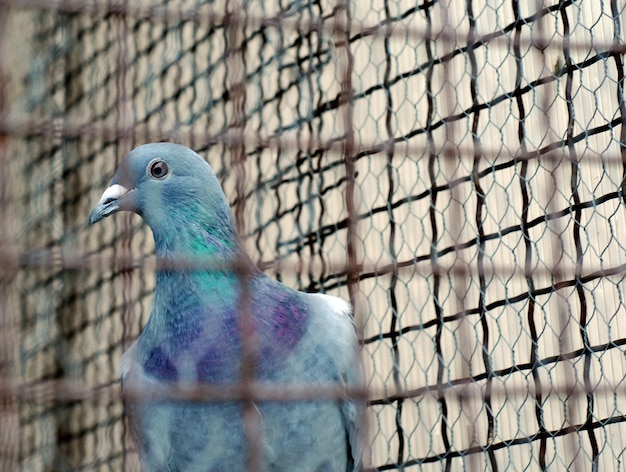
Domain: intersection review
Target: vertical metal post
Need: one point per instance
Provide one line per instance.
(124, 120)
(553, 161)
(235, 17)
(9, 412)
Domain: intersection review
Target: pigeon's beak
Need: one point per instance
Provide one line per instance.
(109, 203)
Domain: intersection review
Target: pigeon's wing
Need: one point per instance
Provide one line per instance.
(137, 388)
(339, 327)
(129, 374)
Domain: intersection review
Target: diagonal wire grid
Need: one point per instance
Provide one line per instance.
(454, 169)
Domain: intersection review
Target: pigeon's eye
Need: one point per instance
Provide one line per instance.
(158, 169)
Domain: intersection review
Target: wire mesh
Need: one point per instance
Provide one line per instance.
(454, 169)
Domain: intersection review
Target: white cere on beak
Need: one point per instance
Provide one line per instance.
(114, 192)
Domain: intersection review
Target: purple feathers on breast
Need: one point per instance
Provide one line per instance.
(214, 345)
(159, 364)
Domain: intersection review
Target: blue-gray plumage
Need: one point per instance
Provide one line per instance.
(193, 335)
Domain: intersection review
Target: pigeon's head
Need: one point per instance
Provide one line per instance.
(168, 185)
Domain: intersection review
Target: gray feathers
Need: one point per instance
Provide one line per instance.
(193, 335)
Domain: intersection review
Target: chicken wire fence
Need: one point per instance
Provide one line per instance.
(454, 168)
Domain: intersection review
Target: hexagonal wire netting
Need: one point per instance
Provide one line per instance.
(454, 168)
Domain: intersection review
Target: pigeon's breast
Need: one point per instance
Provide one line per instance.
(208, 346)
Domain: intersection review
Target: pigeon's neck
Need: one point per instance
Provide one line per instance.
(195, 246)
(186, 298)
(192, 235)
(193, 252)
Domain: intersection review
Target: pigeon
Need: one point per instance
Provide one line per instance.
(193, 336)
